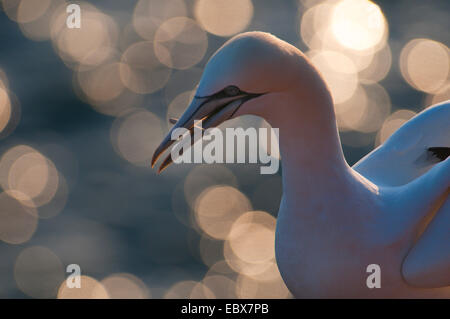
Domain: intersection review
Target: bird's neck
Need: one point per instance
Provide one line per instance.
(310, 147)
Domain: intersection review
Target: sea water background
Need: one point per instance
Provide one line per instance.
(123, 218)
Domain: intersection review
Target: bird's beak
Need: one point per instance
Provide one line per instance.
(211, 110)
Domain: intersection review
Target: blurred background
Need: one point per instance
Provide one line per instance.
(82, 110)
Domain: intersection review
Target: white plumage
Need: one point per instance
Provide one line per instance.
(334, 220)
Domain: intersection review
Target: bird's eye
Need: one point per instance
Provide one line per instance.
(232, 90)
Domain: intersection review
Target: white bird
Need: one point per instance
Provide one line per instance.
(335, 220)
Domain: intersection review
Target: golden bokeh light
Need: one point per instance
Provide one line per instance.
(102, 83)
(150, 14)
(135, 136)
(379, 66)
(4, 84)
(249, 249)
(201, 291)
(348, 44)
(224, 17)
(30, 10)
(361, 59)
(366, 110)
(95, 60)
(23, 11)
(378, 109)
(217, 208)
(202, 177)
(184, 289)
(29, 176)
(355, 27)
(261, 282)
(314, 24)
(40, 28)
(393, 123)
(252, 237)
(17, 222)
(120, 105)
(324, 40)
(10, 8)
(99, 31)
(270, 272)
(90, 289)
(125, 286)
(240, 266)
(248, 287)
(180, 43)
(359, 24)
(350, 113)
(425, 64)
(141, 70)
(10, 111)
(38, 272)
(440, 96)
(220, 267)
(339, 71)
(5, 108)
(221, 286)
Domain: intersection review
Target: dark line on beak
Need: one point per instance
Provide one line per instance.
(245, 99)
(219, 95)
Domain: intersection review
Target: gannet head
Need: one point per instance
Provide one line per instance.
(240, 78)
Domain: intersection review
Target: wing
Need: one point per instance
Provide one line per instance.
(428, 262)
(412, 150)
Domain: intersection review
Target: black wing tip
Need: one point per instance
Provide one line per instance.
(440, 153)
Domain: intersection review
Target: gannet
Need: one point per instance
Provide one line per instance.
(335, 220)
